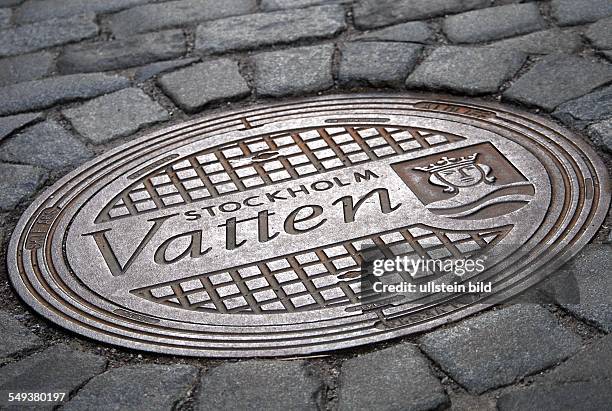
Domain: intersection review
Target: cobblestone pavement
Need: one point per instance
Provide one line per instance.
(78, 77)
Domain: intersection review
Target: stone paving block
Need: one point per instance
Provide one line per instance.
(27, 67)
(414, 31)
(273, 5)
(195, 86)
(294, 71)
(18, 182)
(37, 94)
(49, 33)
(153, 69)
(591, 270)
(588, 109)
(262, 29)
(150, 386)
(8, 3)
(260, 385)
(5, 17)
(601, 134)
(152, 17)
(600, 34)
(568, 12)
(499, 347)
(390, 379)
(115, 115)
(556, 79)
(493, 23)
(14, 337)
(11, 123)
(465, 402)
(134, 51)
(593, 363)
(378, 13)
(466, 69)
(377, 63)
(573, 396)
(45, 145)
(35, 10)
(543, 42)
(56, 369)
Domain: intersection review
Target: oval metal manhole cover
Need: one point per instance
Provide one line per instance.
(243, 234)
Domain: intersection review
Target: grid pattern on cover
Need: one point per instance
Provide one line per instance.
(325, 277)
(266, 160)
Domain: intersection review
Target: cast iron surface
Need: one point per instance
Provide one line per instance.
(241, 234)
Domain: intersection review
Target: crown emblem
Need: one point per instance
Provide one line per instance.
(448, 162)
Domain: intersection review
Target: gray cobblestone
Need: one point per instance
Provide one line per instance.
(590, 269)
(591, 108)
(557, 79)
(493, 23)
(378, 13)
(466, 69)
(600, 34)
(593, 363)
(56, 369)
(135, 51)
(8, 3)
(257, 30)
(269, 385)
(526, 339)
(5, 17)
(49, 33)
(152, 70)
(272, 5)
(14, 337)
(543, 42)
(34, 10)
(115, 115)
(131, 387)
(46, 145)
(572, 396)
(601, 135)
(196, 86)
(390, 379)
(11, 123)
(414, 31)
(37, 94)
(293, 71)
(25, 68)
(18, 182)
(377, 63)
(152, 17)
(568, 12)
(464, 402)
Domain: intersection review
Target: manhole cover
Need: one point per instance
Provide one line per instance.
(243, 234)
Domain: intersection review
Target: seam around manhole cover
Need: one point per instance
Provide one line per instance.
(247, 233)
